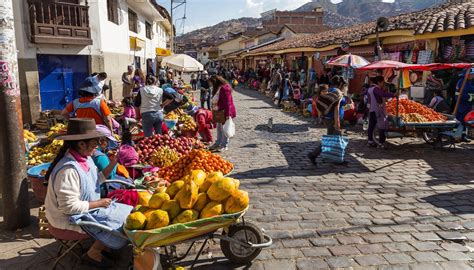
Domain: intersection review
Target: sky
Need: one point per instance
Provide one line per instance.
(202, 13)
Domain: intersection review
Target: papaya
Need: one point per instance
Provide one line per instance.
(221, 189)
(187, 196)
(212, 209)
(158, 199)
(135, 221)
(237, 202)
(198, 176)
(174, 188)
(157, 219)
(144, 197)
(172, 207)
(211, 178)
(186, 216)
(201, 201)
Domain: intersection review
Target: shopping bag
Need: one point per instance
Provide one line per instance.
(333, 147)
(229, 128)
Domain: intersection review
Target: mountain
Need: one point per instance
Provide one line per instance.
(325, 4)
(220, 30)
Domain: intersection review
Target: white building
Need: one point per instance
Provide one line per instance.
(60, 42)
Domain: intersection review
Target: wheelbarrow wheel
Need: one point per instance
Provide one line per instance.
(246, 233)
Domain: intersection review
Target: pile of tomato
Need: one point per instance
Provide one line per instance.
(408, 107)
(196, 160)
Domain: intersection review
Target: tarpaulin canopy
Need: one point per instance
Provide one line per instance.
(415, 67)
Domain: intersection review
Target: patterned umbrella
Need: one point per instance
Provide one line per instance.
(349, 60)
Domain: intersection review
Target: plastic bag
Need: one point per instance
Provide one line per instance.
(229, 128)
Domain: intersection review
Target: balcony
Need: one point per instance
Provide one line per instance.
(59, 23)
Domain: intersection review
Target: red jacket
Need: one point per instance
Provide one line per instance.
(203, 118)
(226, 102)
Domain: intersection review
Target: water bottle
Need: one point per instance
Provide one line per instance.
(365, 126)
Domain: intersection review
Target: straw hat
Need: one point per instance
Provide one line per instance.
(80, 129)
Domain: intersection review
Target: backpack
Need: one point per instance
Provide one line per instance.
(325, 103)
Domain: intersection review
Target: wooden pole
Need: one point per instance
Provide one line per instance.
(461, 91)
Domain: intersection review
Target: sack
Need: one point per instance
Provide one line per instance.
(333, 147)
(218, 116)
(229, 128)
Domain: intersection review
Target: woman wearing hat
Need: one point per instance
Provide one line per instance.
(88, 105)
(74, 193)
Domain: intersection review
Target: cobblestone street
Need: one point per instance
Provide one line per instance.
(406, 207)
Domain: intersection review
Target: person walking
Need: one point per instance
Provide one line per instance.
(127, 81)
(205, 88)
(330, 107)
(149, 100)
(193, 81)
(89, 105)
(284, 91)
(377, 111)
(223, 103)
(276, 80)
(162, 75)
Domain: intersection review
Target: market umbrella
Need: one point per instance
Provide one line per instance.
(182, 62)
(415, 67)
(349, 60)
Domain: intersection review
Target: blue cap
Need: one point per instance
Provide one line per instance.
(91, 85)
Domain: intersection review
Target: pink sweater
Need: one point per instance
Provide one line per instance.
(226, 102)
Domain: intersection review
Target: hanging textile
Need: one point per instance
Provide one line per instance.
(405, 80)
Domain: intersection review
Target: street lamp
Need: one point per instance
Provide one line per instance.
(174, 4)
(382, 24)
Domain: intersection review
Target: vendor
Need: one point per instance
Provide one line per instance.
(88, 105)
(438, 103)
(105, 159)
(203, 119)
(74, 193)
(466, 99)
(172, 99)
(377, 111)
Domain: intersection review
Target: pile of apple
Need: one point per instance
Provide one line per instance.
(182, 145)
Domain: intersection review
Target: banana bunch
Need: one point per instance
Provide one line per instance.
(55, 130)
(171, 116)
(30, 136)
(40, 155)
(188, 122)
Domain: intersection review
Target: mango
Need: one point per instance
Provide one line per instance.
(186, 216)
(174, 188)
(172, 207)
(210, 179)
(135, 221)
(237, 202)
(187, 196)
(201, 201)
(157, 219)
(221, 189)
(158, 199)
(212, 209)
(144, 197)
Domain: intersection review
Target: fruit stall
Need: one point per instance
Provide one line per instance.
(408, 116)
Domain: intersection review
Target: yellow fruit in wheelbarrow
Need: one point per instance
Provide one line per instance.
(237, 202)
(174, 188)
(186, 216)
(157, 219)
(135, 221)
(158, 199)
(172, 207)
(200, 202)
(187, 196)
(210, 179)
(212, 209)
(198, 176)
(144, 197)
(221, 189)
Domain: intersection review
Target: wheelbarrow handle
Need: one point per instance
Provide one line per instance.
(268, 243)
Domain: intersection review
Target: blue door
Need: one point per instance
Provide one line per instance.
(60, 76)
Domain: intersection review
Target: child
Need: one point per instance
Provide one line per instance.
(129, 114)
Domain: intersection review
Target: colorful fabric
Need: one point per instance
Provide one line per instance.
(405, 82)
(333, 147)
(128, 197)
(80, 159)
(171, 234)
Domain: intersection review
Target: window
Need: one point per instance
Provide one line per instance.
(112, 11)
(132, 21)
(148, 30)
